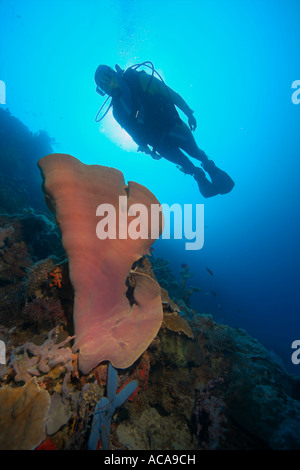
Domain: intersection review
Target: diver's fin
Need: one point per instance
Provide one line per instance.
(220, 179)
(223, 182)
(206, 188)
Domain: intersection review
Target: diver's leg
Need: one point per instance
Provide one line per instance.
(175, 155)
(181, 136)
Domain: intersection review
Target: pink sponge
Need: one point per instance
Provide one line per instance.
(108, 327)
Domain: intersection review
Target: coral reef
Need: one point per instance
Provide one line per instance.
(23, 415)
(19, 252)
(41, 235)
(177, 290)
(5, 232)
(14, 254)
(14, 259)
(44, 312)
(20, 150)
(106, 407)
(216, 389)
(59, 414)
(37, 279)
(32, 360)
(200, 385)
(259, 394)
(173, 321)
(178, 402)
(209, 416)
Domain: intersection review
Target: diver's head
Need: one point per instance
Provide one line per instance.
(106, 80)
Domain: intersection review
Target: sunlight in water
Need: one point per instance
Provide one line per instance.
(116, 134)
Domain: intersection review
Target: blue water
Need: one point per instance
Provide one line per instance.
(234, 62)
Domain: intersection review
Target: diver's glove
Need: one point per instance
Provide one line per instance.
(144, 148)
(155, 155)
(192, 122)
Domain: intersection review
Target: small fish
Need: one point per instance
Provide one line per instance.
(208, 294)
(184, 266)
(209, 271)
(151, 249)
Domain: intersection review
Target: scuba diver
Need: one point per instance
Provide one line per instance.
(146, 108)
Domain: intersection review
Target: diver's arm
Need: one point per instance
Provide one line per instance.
(184, 107)
(180, 103)
(153, 85)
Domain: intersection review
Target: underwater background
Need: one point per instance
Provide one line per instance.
(219, 372)
(234, 63)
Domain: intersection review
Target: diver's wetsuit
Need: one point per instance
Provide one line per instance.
(160, 126)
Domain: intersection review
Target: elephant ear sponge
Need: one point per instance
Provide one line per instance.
(108, 326)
